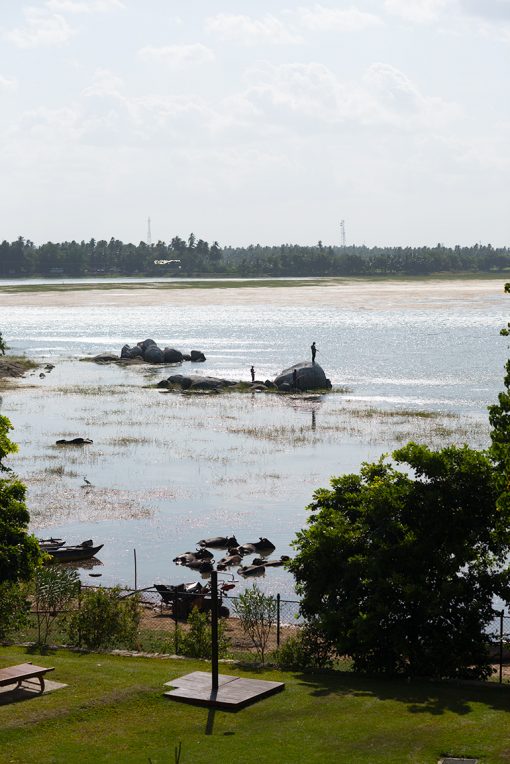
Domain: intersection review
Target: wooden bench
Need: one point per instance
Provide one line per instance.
(18, 674)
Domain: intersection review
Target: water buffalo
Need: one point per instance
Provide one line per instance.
(220, 542)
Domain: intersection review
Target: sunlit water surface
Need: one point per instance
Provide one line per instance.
(406, 362)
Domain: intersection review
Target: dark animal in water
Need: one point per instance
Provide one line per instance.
(226, 562)
(219, 542)
(203, 566)
(188, 557)
(73, 442)
(271, 563)
(262, 546)
(251, 570)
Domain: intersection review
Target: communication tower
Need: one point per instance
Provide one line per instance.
(149, 235)
(342, 233)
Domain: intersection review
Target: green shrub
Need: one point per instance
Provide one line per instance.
(105, 620)
(197, 643)
(306, 650)
(257, 613)
(14, 608)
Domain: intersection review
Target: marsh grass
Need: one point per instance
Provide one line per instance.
(60, 471)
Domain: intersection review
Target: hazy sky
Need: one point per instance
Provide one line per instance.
(264, 121)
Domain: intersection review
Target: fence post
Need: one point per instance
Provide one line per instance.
(278, 620)
(79, 619)
(501, 616)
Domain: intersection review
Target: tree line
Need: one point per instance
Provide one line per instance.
(195, 256)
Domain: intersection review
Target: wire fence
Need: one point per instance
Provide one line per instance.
(177, 603)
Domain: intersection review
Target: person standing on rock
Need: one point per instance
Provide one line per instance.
(314, 351)
(252, 372)
(294, 379)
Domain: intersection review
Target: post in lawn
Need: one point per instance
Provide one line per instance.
(214, 630)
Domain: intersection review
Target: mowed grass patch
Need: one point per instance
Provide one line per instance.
(113, 710)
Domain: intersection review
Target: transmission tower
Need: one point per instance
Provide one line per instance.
(342, 233)
(149, 235)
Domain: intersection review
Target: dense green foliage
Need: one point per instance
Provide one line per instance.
(307, 649)
(400, 567)
(499, 419)
(19, 552)
(14, 608)
(21, 258)
(105, 619)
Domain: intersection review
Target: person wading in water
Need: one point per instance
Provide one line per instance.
(314, 351)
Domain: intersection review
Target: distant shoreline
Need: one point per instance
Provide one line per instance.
(13, 286)
(384, 294)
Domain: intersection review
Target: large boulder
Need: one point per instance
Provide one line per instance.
(309, 376)
(197, 356)
(153, 354)
(172, 356)
(145, 344)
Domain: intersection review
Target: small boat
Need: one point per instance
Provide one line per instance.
(50, 543)
(83, 551)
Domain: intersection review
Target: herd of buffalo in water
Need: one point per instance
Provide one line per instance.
(203, 561)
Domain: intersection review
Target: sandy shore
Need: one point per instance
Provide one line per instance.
(348, 294)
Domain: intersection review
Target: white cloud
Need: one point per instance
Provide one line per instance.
(6, 83)
(41, 28)
(321, 18)
(420, 11)
(178, 56)
(311, 98)
(247, 30)
(84, 6)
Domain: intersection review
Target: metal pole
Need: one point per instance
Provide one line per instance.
(501, 616)
(136, 578)
(278, 620)
(214, 630)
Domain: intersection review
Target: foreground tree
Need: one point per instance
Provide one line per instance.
(399, 568)
(19, 552)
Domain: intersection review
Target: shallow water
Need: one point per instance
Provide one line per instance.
(170, 469)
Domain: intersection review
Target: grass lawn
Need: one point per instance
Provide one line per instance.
(113, 710)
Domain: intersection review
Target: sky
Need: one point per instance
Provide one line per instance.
(256, 122)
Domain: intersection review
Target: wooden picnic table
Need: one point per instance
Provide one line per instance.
(18, 674)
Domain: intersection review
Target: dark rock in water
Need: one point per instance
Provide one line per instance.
(153, 354)
(145, 344)
(172, 356)
(105, 358)
(207, 383)
(309, 376)
(73, 442)
(197, 355)
(186, 357)
(128, 352)
(163, 383)
(179, 379)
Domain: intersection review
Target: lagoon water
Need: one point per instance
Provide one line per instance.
(408, 360)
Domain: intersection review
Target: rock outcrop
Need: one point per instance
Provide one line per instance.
(309, 376)
(150, 352)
